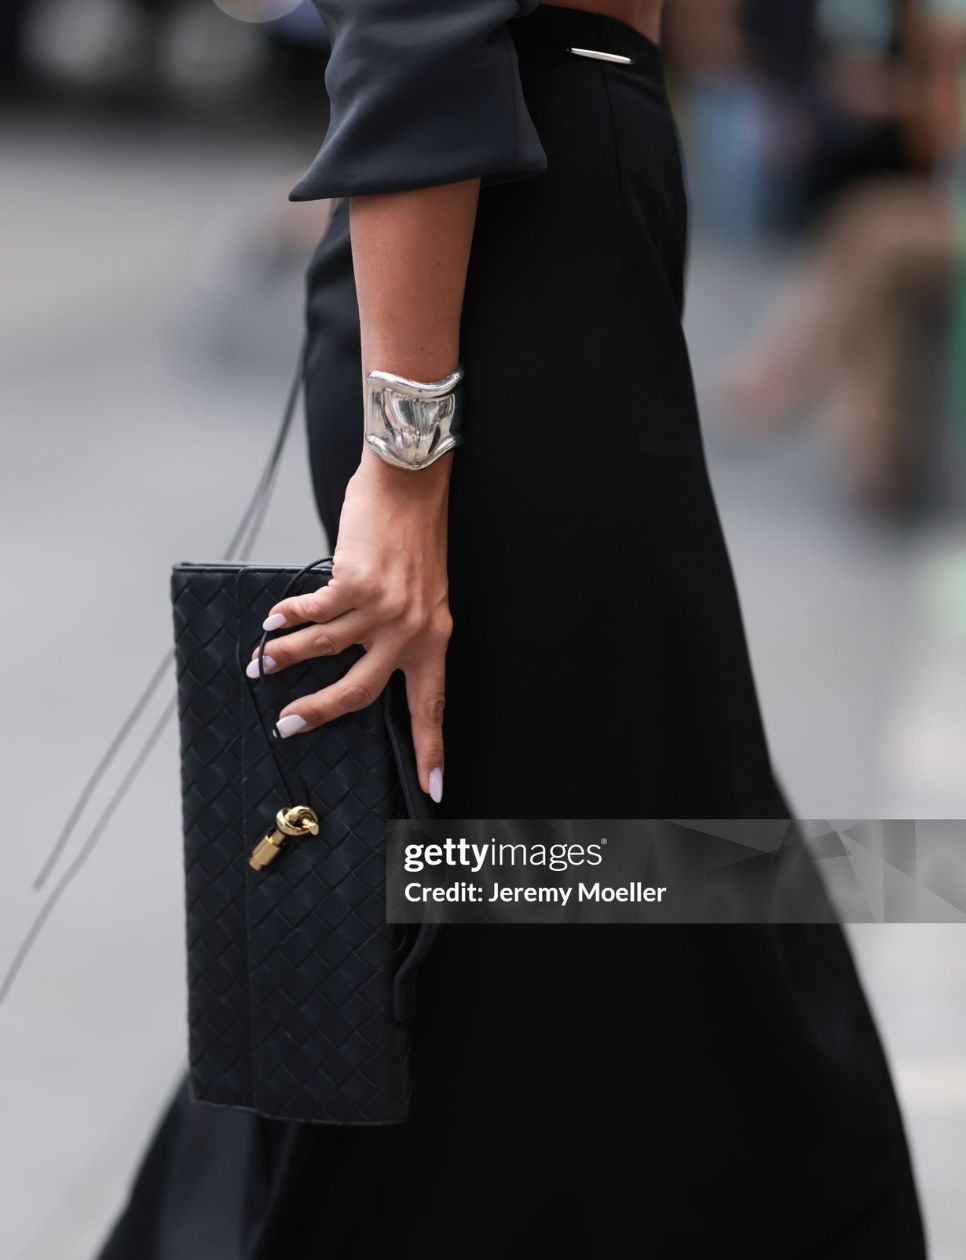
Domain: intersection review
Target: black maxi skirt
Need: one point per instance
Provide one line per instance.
(580, 1091)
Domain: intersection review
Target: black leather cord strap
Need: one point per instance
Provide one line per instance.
(288, 775)
(239, 547)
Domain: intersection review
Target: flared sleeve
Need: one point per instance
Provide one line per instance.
(421, 92)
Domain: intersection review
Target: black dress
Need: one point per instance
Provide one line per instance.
(580, 1091)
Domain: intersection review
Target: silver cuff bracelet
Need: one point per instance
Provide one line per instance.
(412, 423)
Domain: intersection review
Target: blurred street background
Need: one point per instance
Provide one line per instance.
(150, 307)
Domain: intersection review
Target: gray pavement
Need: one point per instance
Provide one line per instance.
(148, 325)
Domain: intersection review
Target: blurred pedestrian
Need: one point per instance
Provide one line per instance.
(859, 324)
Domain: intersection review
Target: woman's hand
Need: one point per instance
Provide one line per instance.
(389, 593)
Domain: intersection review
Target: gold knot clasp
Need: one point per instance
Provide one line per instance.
(295, 820)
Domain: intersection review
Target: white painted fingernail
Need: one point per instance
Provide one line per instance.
(274, 622)
(436, 785)
(290, 725)
(251, 669)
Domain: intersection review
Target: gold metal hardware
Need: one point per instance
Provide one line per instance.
(296, 820)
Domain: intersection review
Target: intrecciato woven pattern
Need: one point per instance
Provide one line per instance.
(290, 969)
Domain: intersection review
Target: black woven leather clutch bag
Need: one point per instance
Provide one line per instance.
(299, 992)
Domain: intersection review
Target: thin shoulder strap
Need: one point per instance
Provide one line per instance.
(239, 548)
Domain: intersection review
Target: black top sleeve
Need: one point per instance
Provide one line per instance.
(421, 92)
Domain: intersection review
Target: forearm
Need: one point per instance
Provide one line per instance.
(410, 252)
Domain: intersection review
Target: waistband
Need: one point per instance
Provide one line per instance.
(550, 31)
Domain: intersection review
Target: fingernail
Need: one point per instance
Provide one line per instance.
(269, 662)
(290, 725)
(436, 785)
(274, 622)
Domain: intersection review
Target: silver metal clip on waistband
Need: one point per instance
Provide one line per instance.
(601, 56)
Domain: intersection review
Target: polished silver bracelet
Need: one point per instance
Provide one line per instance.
(410, 424)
